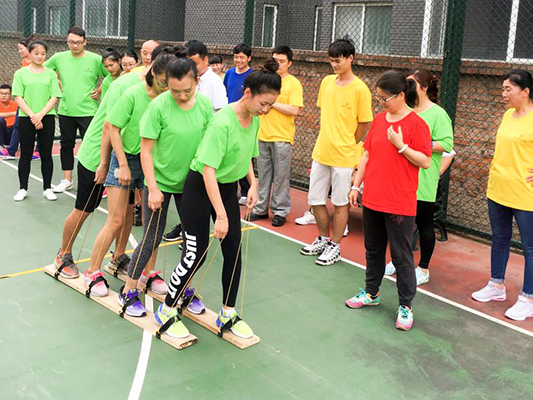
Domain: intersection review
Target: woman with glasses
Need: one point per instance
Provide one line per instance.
(130, 60)
(398, 144)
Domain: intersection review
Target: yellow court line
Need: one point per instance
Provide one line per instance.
(31, 271)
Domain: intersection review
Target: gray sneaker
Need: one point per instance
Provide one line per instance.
(490, 293)
(330, 255)
(316, 248)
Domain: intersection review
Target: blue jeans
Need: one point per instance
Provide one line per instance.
(501, 221)
(14, 144)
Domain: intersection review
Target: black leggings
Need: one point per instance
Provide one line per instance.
(28, 135)
(68, 127)
(424, 223)
(380, 227)
(196, 211)
(154, 228)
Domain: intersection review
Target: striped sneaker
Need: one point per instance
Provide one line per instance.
(363, 299)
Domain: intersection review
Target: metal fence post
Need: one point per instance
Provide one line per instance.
(27, 21)
(72, 14)
(131, 24)
(249, 22)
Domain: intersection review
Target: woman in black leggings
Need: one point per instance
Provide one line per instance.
(223, 158)
(36, 91)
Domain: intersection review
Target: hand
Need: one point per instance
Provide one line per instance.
(354, 194)
(252, 198)
(124, 175)
(39, 126)
(94, 94)
(138, 198)
(36, 118)
(221, 228)
(101, 173)
(396, 138)
(155, 199)
(530, 177)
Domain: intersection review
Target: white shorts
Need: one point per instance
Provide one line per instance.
(322, 178)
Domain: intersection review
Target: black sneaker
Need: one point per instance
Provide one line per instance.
(256, 217)
(137, 216)
(173, 235)
(278, 220)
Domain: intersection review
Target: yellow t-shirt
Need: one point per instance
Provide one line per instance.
(137, 69)
(342, 108)
(279, 127)
(513, 156)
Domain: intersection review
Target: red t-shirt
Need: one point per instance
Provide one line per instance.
(391, 181)
(12, 107)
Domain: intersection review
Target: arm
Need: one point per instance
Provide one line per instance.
(361, 130)
(211, 185)
(287, 109)
(105, 152)
(416, 158)
(36, 118)
(359, 178)
(446, 162)
(124, 173)
(24, 106)
(155, 196)
(437, 148)
(8, 114)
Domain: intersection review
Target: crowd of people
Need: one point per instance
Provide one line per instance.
(175, 125)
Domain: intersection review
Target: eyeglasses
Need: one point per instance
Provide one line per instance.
(130, 64)
(382, 99)
(75, 42)
(5, 94)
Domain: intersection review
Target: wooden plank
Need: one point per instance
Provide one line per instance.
(110, 302)
(207, 319)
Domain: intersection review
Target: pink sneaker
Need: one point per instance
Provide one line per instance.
(4, 154)
(154, 282)
(35, 156)
(405, 318)
(95, 283)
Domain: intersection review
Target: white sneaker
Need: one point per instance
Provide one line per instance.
(242, 201)
(63, 186)
(21, 195)
(522, 309)
(316, 248)
(490, 292)
(307, 219)
(49, 195)
(346, 231)
(330, 255)
(390, 269)
(421, 276)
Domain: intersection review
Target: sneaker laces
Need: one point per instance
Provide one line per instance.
(404, 312)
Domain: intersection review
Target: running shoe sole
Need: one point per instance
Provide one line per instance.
(136, 315)
(495, 298)
(326, 263)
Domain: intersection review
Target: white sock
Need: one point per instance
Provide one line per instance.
(326, 238)
(227, 312)
(166, 309)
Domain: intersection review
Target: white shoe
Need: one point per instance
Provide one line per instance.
(330, 255)
(421, 276)
(49, 195)
(21, 195)
(490, 293)
(390, 269)
(346, 231)
(307, 219)
(522, 309)
(242, 201)
(64, 185)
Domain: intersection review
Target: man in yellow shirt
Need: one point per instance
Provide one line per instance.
(345, 115)
(276, 137)
(146, 54)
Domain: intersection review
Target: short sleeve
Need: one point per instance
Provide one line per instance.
(103, 72)
(18, 87)
(296, 96)
(421, 137)
(112, 96)
(443, 131)
(120, 114)
(364, 110)
(51, 62)
(226, 80)
(151, 123)
(256, 149)
(55, 90)
(213, 146)
(319, 99)
(219, 94)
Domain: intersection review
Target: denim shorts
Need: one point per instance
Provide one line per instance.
(137, 176)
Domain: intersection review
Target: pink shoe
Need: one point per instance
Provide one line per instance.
(154, 282)
(35, 156)
(95, 283)
(4, 154)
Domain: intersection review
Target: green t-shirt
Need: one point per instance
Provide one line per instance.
(441, 130)
(89, 152)
(79, 77)
(35, 89)
(105, 85)
(227, 146)
(126, 115)
(177, 134)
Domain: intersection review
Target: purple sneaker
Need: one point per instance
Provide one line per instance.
(196, 306)
(131, 302)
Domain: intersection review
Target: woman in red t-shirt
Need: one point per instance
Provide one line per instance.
(398, 144)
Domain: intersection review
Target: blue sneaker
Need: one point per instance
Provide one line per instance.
(196, 306)
(135, 307)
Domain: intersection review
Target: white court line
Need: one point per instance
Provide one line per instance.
(146, 343)
(424, 291)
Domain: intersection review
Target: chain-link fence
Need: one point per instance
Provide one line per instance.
(469, 44)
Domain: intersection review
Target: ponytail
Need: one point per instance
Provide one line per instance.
(264, 80)
(427, 81)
